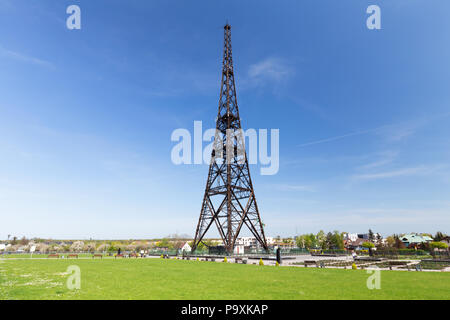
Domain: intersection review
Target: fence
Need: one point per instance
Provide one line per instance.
(396, 253)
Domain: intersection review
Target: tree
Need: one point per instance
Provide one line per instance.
(371, 235)
(103, 247)
(310, 241)
(370, 246)
(321, 239)
(24, 241)
(200, 247)
(178, 244)
(439, 236)
(140, 245)
(301, 241)
(42, 248)
(329, 240)
(164, 243)
(89, 247)
(398, 243)
(77, 246)
(379, 239)
(64, 248)
(209, 243)
(338, 240)
(390, 241)
(131, 247)
(438, 245)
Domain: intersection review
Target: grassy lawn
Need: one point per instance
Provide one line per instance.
(178, 279)
(39, 256)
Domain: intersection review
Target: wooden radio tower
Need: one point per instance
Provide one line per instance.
(229, 199)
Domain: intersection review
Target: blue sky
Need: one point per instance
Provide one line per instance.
(86, 115)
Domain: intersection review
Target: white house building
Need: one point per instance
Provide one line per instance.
(252, 242)
(186, 247)
(351, 236)
(270, 240)
(246, 242)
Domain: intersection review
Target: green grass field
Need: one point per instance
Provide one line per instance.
(179, 279)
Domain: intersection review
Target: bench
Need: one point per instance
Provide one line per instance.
(310, 262)
(53, 256)
(72, 256)
(97, 255)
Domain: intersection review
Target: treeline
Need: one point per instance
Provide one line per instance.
(46, 246)
(335, 240)
(321, 240)
(394, 241)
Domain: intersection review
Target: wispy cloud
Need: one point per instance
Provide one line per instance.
(385, 157)
(403, 130)
(24, 58)
(412, 171)
(390, 132)
(268, 70)
(334, 138)
(399, 132)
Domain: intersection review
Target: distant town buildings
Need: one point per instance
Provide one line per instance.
(244, 245)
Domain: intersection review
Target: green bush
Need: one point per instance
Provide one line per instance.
(438, 245)
(368, 245)
(409, 252)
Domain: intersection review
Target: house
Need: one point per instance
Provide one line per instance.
(364, 236)
(414, 238)
(252, 243)
(21, 249)
(355, 245)
(246, 242)
(239, 249)
(186, 247)
(350, 236)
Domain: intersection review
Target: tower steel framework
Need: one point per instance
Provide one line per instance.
(229, 201)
